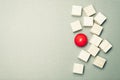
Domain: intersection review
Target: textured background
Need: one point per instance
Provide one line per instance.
(36, 40)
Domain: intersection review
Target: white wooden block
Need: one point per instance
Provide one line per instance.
(96, 29)
(76, 26)
(100, 18)
(95, 40)
(89, 10)
(105, 46)
(84, 55)
(76, 10)
(87, 21)
(78, 68)
(93, 50)
(99, 62)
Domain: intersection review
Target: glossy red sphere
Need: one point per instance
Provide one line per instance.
(80, 40)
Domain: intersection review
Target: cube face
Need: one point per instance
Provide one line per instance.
(96, 29)
(84, 55)
(76, 10)
(100, 18)
(89, 10)
(88, 21)
(76, 26)
(95, 40)
(99, 62)
(78, 68)
(93, 50)
(105, 46)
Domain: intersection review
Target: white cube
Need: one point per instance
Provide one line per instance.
(87, 21)
(95, 40)
(96, 29)
(105, 46)
(84, 55)
(100, 18)
(89, 10)
(78, 68)
(93, 50)
(99, 62)
(76, 26)
(76, 10)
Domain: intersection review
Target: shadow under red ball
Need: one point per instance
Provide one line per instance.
(80, 40)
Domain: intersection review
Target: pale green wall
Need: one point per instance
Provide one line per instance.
(36, 41)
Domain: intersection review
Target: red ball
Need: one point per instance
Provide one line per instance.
(80, 40)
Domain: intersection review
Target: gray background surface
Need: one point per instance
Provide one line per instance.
(36, 40)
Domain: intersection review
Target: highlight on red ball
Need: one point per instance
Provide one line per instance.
(80, 40)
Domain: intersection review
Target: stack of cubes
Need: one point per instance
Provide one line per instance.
(94, 21)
